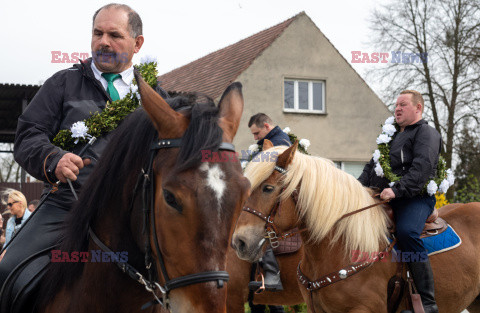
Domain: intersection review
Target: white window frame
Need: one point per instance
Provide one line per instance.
(310, 109)
(341, 165)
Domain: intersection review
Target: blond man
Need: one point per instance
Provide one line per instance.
(414, 153)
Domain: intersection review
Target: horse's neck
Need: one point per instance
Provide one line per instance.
(107, 277)
(323, 258)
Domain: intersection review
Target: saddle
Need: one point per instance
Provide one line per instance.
(433, 226)
(19, 292)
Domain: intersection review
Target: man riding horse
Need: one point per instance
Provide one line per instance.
(414, 154)
(68, 96)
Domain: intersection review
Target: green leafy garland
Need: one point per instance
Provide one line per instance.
(443, 180)
(101, 123)
(301, 147)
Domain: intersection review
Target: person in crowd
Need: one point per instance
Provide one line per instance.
(32, 205)
(17, 204)
(414, 154)
(262, 127)
(67, 97)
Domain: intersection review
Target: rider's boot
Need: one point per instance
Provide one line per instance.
(272, 273)
(423, 278)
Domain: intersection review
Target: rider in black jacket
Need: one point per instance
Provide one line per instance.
(414, 153)
(67, 97)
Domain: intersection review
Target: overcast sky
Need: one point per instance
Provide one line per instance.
(176, 32)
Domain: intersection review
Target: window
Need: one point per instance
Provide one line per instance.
(304, 96)
(352, 168)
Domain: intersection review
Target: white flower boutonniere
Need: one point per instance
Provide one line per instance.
(79, 130)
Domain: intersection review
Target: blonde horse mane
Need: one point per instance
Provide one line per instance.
(327, 193)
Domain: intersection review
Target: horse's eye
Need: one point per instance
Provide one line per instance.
(171, 200)
(268, 188)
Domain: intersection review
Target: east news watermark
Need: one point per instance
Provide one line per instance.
(389, 57)
(93, 256)
(383, 256)
(229, 156)
(73, 57)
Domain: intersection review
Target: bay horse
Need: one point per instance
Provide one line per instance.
(176, 237)
(325, 194)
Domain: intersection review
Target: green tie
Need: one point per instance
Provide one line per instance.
(111, 90)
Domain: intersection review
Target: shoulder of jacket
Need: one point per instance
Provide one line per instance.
(60, 77)
(428, 131)
(426, 127)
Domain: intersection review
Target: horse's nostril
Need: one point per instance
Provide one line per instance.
(239, 244)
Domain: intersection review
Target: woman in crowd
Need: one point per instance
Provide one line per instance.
(17, 204)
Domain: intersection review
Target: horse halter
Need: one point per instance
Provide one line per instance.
(271, 230)
(149, 210)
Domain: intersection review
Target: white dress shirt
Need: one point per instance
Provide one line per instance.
(122, 84)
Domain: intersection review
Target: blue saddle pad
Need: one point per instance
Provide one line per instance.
(445, 241)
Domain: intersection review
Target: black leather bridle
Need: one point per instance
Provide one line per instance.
(151, 285)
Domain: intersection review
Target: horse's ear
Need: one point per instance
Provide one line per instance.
(167, 122)
(286, 157)
(267, 144)
(231, 109)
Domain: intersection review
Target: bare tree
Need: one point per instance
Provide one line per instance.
(9, 169)
(444, 37)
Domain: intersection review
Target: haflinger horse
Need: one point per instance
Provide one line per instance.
(174, 238)
(322, 194)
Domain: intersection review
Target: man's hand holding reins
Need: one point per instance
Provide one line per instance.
(387, 194)
(69, 166)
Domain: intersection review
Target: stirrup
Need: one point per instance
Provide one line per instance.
(256, 286)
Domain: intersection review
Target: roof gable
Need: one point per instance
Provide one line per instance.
(212, 73)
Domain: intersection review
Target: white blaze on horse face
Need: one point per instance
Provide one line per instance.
(215, 180)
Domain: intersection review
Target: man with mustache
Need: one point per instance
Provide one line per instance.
(67, 97)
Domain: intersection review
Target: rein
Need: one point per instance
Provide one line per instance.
(362, 209)
(148, 193)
